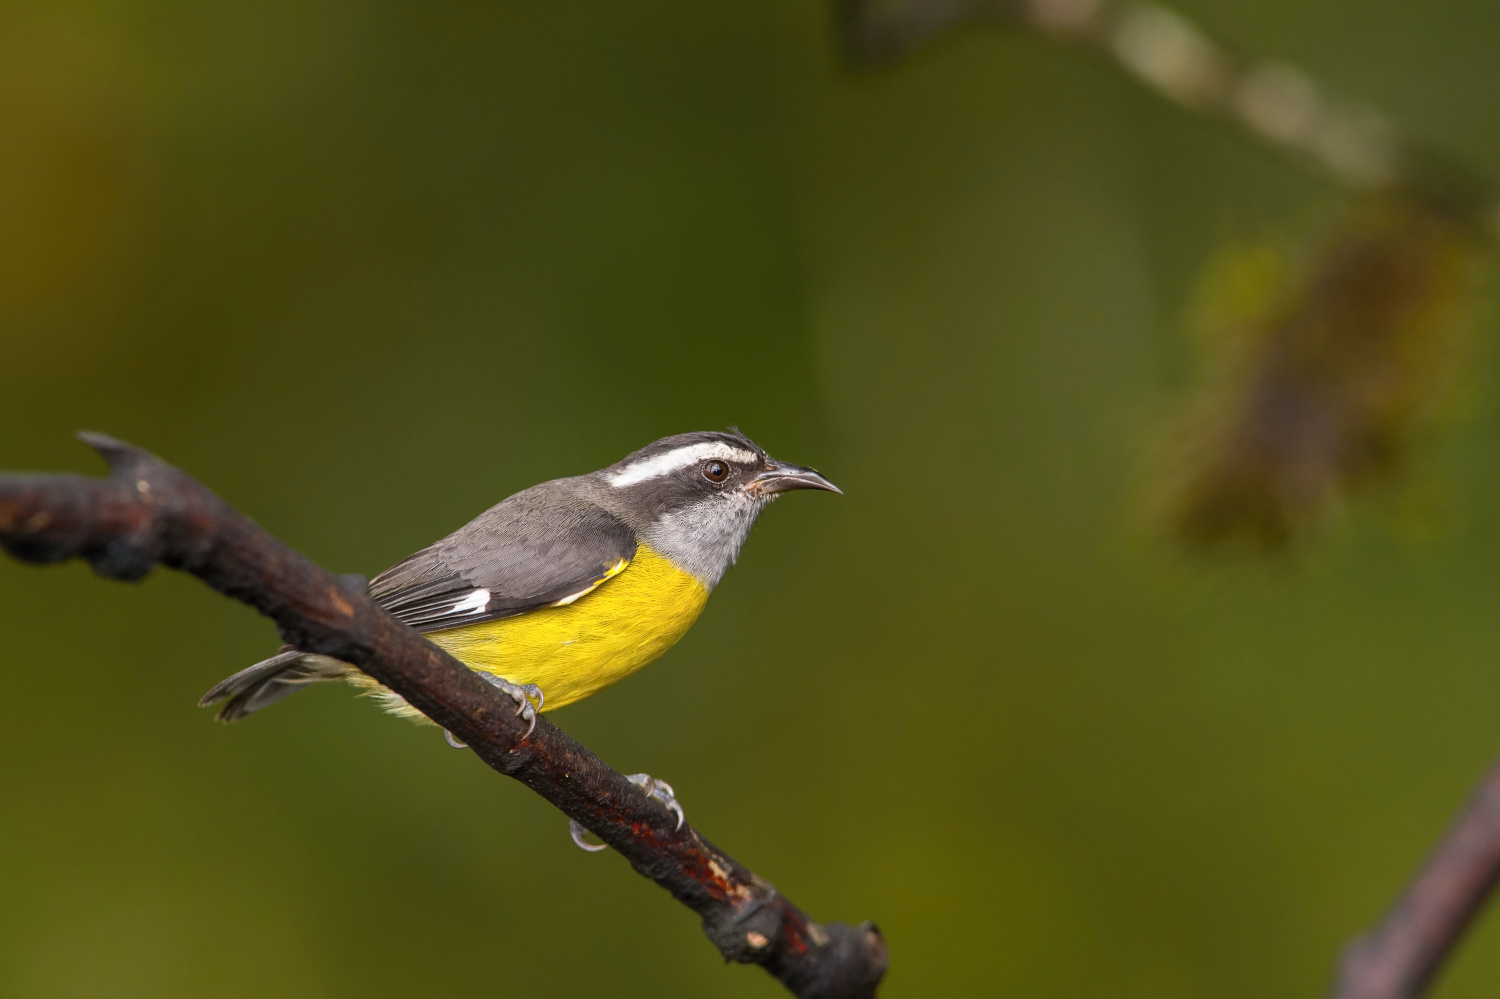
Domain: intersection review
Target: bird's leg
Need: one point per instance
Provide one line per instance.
(657, 789)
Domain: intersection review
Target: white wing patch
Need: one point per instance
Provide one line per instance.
(609, 573)
(662, 464)
(474, 603)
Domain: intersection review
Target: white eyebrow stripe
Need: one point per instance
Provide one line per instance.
(474, 603)
(691, 454)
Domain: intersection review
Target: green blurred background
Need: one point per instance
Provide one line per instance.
(365, 267)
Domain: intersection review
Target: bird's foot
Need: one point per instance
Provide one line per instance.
(523, 694)
(660, 790)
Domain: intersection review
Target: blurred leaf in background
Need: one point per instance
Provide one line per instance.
(1321, 370)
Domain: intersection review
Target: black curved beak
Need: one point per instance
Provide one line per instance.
(780, 477)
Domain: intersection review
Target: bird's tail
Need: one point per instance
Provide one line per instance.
(287, 672)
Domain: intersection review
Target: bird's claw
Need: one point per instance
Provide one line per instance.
(452, 740)
(661, 791)
(576, 830)
(523, 694)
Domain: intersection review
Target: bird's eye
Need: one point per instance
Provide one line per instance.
(716, 471)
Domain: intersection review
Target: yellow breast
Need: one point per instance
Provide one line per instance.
(575, 650)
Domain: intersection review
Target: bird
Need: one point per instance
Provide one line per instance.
(569, 586)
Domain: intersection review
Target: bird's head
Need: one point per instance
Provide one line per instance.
(693, 497)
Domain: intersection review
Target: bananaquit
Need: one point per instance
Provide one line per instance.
(569, 586)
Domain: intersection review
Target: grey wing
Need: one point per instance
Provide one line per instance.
(539, 547)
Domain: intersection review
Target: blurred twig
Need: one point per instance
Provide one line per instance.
(1400, 958)
(147, 513)
(1326, 385)
(1282, 106)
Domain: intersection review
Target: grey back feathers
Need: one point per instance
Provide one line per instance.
(551, 544)
(540, 546)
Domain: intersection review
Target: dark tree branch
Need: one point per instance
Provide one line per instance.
(147, 512)
(1400, 958)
